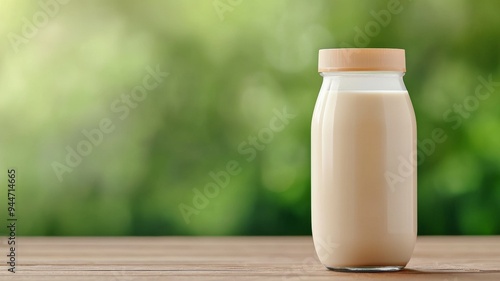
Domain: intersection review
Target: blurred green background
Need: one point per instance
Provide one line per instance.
(68, 66)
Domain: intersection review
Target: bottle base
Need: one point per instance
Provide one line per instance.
(366, 268)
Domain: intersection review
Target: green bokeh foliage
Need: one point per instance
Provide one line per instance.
(228, 70)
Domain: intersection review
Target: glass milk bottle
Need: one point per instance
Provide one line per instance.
(364, 175)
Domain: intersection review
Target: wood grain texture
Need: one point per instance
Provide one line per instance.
(234, 258)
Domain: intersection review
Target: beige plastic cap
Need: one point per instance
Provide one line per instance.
(361, 59)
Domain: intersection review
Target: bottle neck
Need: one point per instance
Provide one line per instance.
(363, 81)
(363, 73)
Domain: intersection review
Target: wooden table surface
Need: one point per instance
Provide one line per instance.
(234, 258)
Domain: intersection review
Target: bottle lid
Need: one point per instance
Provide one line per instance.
(361, 59)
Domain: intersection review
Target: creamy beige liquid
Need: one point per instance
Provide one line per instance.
(363, 195)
